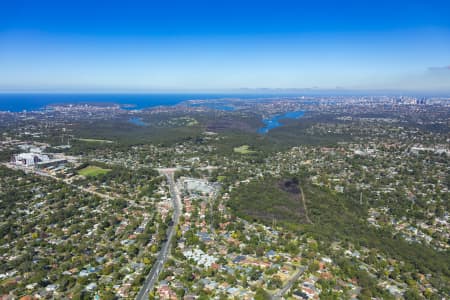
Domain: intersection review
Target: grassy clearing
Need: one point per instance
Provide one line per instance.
(244, 149)
(221, 178)
(96, 141)
(93, 171)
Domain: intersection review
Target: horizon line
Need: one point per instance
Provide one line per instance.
(337, 90)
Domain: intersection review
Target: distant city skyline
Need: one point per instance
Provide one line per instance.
(145, 46)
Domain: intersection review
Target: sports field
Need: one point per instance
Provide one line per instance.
(93, 171)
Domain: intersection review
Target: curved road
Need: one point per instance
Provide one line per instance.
(288, 285)
(165, 249)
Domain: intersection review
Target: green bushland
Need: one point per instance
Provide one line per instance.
(336, 218)
(264, 200)
(234, 130)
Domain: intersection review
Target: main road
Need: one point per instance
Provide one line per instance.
(153, 275)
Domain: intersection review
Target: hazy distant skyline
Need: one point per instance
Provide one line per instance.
(212, 45)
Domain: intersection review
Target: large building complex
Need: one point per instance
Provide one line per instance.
(36, 160)
(29, 159)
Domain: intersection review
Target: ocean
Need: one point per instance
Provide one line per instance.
(31, 102)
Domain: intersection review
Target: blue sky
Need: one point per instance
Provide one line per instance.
(220, 45)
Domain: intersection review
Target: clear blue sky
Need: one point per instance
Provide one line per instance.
(218, 45)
